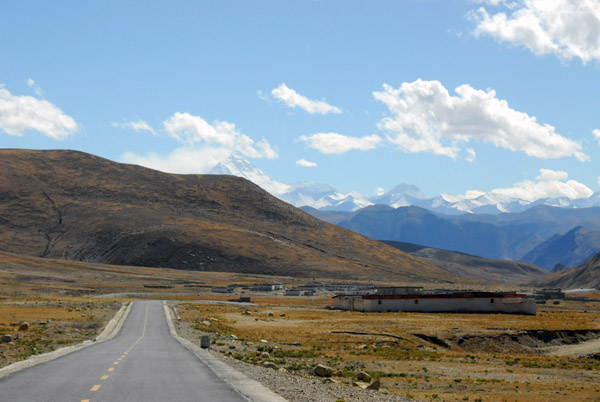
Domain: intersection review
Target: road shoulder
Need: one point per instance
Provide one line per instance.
(110, 331)
(249, 388)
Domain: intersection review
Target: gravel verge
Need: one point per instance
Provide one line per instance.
(293, 387)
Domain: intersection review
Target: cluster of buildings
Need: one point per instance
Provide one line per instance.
(417, 299)
(369, 298)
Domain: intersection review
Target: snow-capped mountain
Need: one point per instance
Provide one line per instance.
(235, 165)
(402, 195)
(325, 196)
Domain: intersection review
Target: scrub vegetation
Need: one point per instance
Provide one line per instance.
(451, 357)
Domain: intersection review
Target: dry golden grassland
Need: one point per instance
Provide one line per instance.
(52, 323)
(449, 357)
(452, 357)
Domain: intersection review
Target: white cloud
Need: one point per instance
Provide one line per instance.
(334, 143)
(21, 113)
(596, 134)
(190, 130)
(180, 160)
(598, 181)
(567, 28)
(471, 155)
(293, 99)
(426, 118)
(548, 184)
(36, 88)
(491, 2)
(137, 126)
(379, 191)
(305, 163)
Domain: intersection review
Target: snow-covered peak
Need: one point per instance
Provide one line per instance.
(235, 165)
(325, 197)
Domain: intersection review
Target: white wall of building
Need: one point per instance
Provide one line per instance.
(515, 305)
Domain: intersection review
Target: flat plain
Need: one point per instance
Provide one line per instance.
(451, 357)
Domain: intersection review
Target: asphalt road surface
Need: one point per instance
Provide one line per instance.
(142, 363)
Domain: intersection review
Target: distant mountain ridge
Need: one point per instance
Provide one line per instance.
(542, 235)
(325, 197)
(570, 249)
(586, 275)
(497, 271)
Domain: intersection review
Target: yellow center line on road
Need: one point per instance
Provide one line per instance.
(104, 377)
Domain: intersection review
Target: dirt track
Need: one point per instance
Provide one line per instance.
(579, 350)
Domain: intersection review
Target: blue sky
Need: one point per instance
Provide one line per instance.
(451, 96)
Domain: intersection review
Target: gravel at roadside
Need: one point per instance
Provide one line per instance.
(295, 388)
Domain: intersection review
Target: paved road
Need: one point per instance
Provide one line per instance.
(142, 363)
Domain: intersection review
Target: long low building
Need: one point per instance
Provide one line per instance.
(442, 302)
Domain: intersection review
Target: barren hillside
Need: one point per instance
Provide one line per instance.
(72, 205)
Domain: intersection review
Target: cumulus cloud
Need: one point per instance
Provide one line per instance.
(181, 160)
(21, 113)
(596, 134)
(191, 130)
(137, 126)
(305, 163)
(548, 184)
(293, 99)
(334, 143)
(567, 28)
(426, 118)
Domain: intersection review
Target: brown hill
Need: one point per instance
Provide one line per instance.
(486, 269)
(72, 205)
(587, 275)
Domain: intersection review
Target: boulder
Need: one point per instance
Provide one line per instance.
(269, 365)
(374, 385)
(339, 373)
(6, 338)
(323, 371)
(330, 381)
(265, 355)
(362, 376)
(24, 326)
(233, 337)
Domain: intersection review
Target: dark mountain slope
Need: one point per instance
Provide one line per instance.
(417, 225)
(502, 236)
(72, 205)
(569, 249)
(498, 271)
(587, 275)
